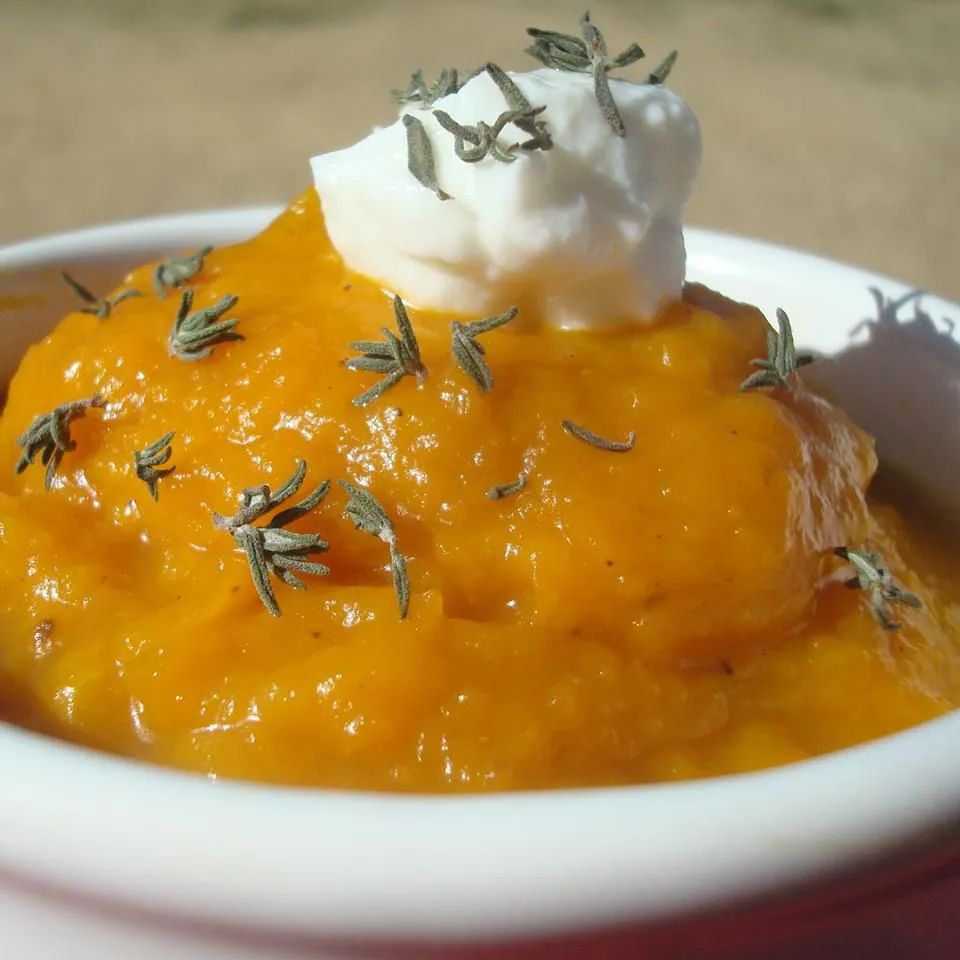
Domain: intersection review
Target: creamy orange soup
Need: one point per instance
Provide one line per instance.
(674, 610)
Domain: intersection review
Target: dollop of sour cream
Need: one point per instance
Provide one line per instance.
(584, 234)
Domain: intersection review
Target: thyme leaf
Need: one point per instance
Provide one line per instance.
(396, 357)
(368, 515)
(473, 143)
(588, 54)
(469, 354)
(526, 118)
(176, 271)
(269, 548)
(196, 333)
(595, 440)
(872, 576)
(49, 435)
(99, 308)
(659, 76)
(782, 358)
(420, 156)
(420, 92)
(147, 462)
(502, 490)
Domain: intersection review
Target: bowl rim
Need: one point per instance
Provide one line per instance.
(465, 866)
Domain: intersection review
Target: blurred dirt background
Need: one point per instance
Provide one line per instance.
(831, 125)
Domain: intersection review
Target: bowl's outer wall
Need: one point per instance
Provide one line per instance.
(104, 855)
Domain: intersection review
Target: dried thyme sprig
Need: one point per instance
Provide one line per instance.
(176, 271)
(595, 440)
(502, 490)
(49, 435)
(526, 119)
(368, 515)
(194, 335)
(873, 577)
(469, 354)
(586, 54)
(99, 308)
(472, 144)
(396, 357)
(419, 91)
(147, 463)
(420, 156)
(782, 358)
(270, 549)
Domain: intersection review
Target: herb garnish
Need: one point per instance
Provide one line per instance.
(526, 119)
(595, 440)
(483, 139)
(178, 270)
(660, 75)
(420, 156)
(99, 308)
(587, 55)
(502, 490)
(195, 334)
(469, 354)
(368, 515)
(49, 435)
(875, 578)
(147, 460)
(271, 549)
(782, 358)
(419, 91)
(397, 357)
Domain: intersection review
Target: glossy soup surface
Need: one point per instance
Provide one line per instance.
(669, 612)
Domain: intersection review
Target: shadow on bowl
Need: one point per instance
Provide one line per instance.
(902, 384)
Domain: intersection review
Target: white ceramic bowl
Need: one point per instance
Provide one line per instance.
(101, 857)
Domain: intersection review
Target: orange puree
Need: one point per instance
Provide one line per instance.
(673, 611)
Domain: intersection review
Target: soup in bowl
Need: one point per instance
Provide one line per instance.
(105, 852)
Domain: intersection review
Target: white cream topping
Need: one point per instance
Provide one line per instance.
(584, 234)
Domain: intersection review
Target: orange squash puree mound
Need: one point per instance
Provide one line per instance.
(669, 612)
